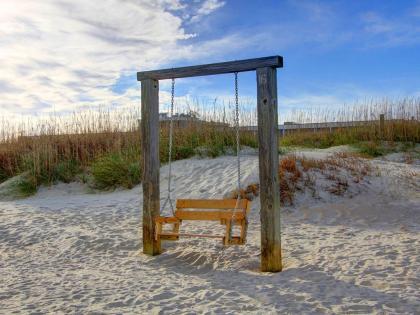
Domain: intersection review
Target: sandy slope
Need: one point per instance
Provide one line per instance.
(66, 251)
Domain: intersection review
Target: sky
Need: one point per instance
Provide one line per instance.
(58, 56)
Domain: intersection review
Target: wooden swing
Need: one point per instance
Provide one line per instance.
(226, 211)
(229, 212)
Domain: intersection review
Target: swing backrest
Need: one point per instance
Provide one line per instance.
(211, 209)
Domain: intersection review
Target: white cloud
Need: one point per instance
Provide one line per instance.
(58, 55)
(315, 11)
(387, 31)
(206, 8)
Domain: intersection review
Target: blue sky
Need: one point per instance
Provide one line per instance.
(63, 55)
(334, 51)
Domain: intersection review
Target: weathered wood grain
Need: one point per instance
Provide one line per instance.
(213, 68)
(209, 215)
(150, 163)
(211, 203)
(166, 220)
(268, 167)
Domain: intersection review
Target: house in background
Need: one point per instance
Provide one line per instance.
(188, 120)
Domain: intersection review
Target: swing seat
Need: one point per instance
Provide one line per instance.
(228, 212)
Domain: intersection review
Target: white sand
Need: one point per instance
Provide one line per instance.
(65, 251)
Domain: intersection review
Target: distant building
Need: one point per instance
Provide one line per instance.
(177, 117)
(188, 120)
(290, 127)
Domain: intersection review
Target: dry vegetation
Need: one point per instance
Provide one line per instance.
(302, 174)
(103, 147)
(299, 173)
(402, 124)
(99, 147)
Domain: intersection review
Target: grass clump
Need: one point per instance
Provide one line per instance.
(321, 140)
(183, 152)
(3, 175)
(215, 149)
(380, 148)
(26, 185)
(66, 171)
(113, 171)
(371, 148)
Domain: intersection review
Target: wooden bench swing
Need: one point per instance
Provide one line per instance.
(229, 212)
(207, 210)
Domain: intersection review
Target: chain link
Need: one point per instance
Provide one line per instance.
(171, 128)
(238, 144)
(238, 149)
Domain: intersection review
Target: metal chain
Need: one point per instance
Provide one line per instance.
(238, 145)
(171, 127)
(238, 149)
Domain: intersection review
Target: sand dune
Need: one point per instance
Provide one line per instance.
(66, 251)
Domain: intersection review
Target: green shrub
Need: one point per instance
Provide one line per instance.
(371, 148)
(66, 171)
(182, 152)
(251, 142)
(320, 140)
(407, 146)
(26, 185)
(3, 175)
(114, 170)
(134, 174)
(215, 150)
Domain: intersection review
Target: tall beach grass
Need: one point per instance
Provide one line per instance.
(102, 147)
(401, 124)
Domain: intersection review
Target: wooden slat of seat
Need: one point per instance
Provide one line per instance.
(211, 204)
(189, 235)
(208, 215)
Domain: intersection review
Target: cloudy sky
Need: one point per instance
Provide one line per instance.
(61, 55)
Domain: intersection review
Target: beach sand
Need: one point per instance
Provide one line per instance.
(68, 251)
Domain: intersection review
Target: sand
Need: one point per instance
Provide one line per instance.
(67, 251)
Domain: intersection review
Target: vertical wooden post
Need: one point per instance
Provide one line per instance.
(268, 166)
(150, 163)
(382, 126)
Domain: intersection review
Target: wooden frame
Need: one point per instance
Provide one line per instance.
(213, 68)
(268, 149)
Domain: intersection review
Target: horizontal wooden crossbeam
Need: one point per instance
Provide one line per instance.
(213, 68)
